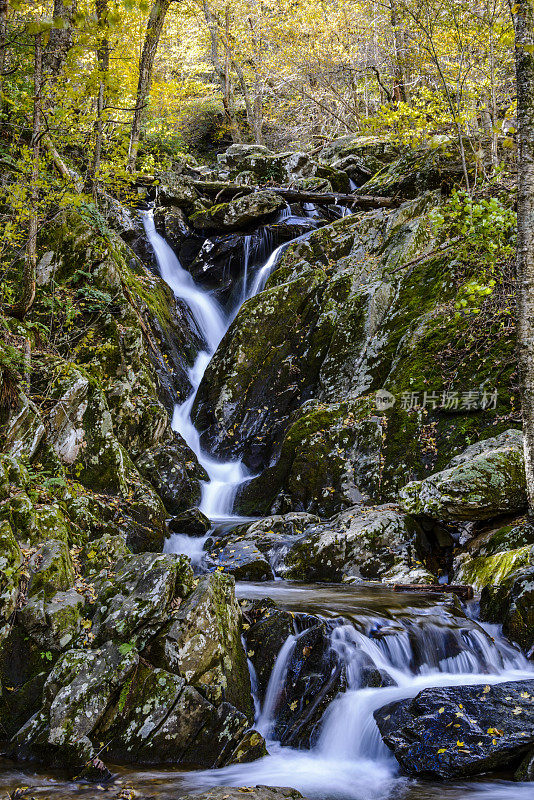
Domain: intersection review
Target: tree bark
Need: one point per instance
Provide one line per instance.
(102, 54)
(524, 59)
(60, 39)
(154, 28)
(30, 262)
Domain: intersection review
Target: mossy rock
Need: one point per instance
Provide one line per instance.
(489, 480)
(203, 644)
(10, 562)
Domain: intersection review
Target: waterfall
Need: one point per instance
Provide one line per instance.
(224, 477)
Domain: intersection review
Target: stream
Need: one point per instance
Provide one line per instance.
(417, 640)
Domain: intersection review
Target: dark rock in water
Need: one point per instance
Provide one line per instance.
(249, 792)
(243, 560)
(511, 604)
(191, 522)
(314, 677)
(455, 732)
(265, 639)
(174, 472)
(525, 772)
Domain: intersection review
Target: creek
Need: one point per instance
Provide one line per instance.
(416, 640)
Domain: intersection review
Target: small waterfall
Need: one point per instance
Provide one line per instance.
(349, 759)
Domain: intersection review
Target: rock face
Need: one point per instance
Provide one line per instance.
(456, 732)
(297, 385)
(511, 603)
(486, 480)
(157, 670)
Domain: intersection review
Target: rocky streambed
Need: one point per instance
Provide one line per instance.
(250, 394)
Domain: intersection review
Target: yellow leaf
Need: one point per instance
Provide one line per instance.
(441, 710)
(443, 750)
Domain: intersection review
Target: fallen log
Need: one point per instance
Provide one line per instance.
(299, 195)
(463, 591)
(222, 189)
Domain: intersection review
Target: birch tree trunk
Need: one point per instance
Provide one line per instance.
(524, 58)
(154, 28)
(30, 262)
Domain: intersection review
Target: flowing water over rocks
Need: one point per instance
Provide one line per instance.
(323, 659)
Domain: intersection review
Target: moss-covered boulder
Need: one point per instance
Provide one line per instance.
(379, 543)
(134, 600)
(486, 480)
(495, 553)
(203, 644)
(252, 209)
(174, 472)
(511, 604)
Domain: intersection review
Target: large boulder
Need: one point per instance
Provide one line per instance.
(484, 481)
(378, 543)
(174, 472)
(202, 644)
(455, 732)
(252, 209)
(135, 600)
(495, 553)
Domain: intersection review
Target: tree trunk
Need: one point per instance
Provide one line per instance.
(30, 262)
(60, 38)
(101, 7)
(154, 27)
(400, 91)
(524, 59)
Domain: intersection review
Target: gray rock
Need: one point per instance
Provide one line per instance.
(486, 480)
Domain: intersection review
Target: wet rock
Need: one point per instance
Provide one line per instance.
(203, 644)
(525, 772)
(75, 697)
(486, 480)
(250, 209)
(314, 677)
(455, 732)
(495, 553)
(265, 639)
(191, 522)
(369, 543)
(160, 719)
(173, 470)
(251, 792)
(511, 604)
(242, 559)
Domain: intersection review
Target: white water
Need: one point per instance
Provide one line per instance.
(349, 760)
(224, 477)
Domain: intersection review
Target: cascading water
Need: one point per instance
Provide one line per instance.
(219, 491)
(349, 759)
